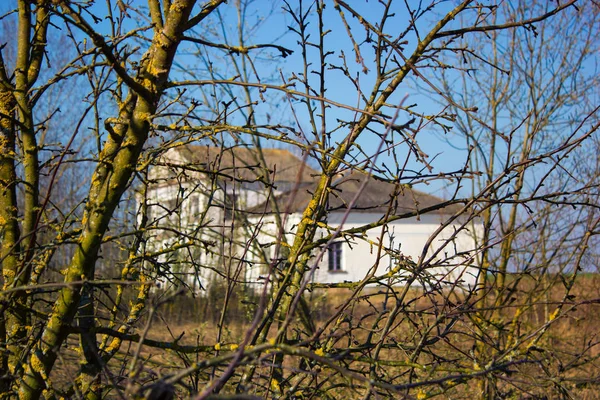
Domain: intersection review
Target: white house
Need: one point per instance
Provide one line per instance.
(235, 207)
(374, 226)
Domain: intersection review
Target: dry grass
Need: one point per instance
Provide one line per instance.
(564, 361)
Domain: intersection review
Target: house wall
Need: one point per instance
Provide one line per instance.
(184, 214)
(404, 238)
(193, 211)
(189, 206)
(456, 262)
(185, 205)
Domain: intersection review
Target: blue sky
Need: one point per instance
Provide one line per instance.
(269, 24)
(275, 29)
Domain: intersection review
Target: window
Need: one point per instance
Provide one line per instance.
(171, 209)
(194, 209)
(335, 256)
(253, 185)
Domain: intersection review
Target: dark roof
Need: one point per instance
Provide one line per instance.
(243, 163)
(377, 196)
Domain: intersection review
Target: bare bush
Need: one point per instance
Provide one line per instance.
(215, 200)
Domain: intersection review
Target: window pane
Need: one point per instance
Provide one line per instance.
(335, 256)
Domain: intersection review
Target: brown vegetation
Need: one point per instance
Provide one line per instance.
(157, 242)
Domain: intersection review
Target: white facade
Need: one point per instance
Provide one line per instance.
(204, 228)
(354, 258)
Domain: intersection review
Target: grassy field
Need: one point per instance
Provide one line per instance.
(433, 345)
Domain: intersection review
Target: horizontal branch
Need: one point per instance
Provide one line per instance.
(136, 338)
(290, 92)
(239, 49)
(74, 284)
(488, 28)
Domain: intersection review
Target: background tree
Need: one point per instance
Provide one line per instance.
(171, 73)
(536, 100)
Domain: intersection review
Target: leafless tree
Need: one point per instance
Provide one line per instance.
(172, 191)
